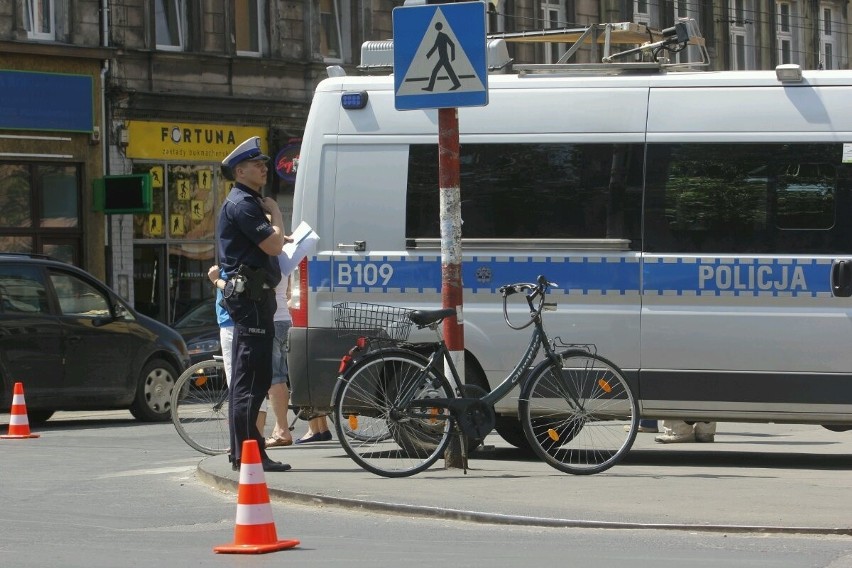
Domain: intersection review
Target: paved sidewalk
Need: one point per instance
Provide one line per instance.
(755, 477)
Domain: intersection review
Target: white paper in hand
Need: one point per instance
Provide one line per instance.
(304, 243)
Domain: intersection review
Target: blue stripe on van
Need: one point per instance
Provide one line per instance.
(481, 274)
(710, 276)
(587, 275)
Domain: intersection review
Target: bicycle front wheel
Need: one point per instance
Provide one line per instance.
(574, 413)
(200, 407)
(382, 414)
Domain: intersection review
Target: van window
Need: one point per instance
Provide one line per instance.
(747, 198)
(533, 191)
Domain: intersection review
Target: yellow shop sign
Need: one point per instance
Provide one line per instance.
(189, 142)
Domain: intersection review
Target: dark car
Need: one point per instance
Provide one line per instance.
(75, 344)
(200, 330)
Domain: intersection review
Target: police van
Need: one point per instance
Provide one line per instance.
(697, 223)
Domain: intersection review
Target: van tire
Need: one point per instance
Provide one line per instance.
(511, 430)
(152, 402)
(837, 427)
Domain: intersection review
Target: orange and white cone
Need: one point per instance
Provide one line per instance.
(255, 529)
(19, 425)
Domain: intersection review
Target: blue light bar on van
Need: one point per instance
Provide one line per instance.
(354, 100)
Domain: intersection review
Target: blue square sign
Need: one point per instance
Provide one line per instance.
(439, 56)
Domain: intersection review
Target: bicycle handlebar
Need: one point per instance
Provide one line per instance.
(532, 291)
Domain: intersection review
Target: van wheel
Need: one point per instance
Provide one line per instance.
(837, 427)
(511, 430)
(153, 401)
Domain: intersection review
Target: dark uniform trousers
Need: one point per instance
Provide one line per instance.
(251, 372)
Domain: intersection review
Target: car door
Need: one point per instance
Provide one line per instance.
(30, 335)
(98, 348)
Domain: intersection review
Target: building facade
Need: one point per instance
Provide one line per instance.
(167, 87)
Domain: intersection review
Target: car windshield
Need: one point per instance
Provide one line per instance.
(203, 314)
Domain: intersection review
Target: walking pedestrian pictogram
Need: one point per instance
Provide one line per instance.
(443, 44)
(440, 56)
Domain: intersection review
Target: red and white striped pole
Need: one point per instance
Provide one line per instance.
(451, 246)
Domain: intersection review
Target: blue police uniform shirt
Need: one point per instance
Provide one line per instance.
(223, 318)
(242, 227)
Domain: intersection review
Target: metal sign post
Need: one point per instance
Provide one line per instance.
(440, 62)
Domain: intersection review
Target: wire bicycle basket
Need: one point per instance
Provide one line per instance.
(375, 321)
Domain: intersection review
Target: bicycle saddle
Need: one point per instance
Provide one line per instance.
(422, 318)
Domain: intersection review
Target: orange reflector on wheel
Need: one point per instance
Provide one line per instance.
(200, 380)
(553, 434)
(353, 422)
(605, 385)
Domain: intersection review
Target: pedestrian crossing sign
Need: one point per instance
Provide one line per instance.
(439, 56)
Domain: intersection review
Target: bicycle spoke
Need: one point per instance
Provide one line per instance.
(200, 407)
(576, 414)
(386, 435)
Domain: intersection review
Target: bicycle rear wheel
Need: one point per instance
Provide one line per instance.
(574, 413)
(382, 415)
(200, 407)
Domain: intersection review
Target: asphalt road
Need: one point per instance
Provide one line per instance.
(100, 489)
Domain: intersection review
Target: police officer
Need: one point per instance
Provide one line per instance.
(248, 244)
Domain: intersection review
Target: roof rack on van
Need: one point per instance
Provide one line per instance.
(377, 56)
(654, 45)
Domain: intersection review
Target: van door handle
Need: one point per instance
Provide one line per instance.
(357, 246)
(841, 278)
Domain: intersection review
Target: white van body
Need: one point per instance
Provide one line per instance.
(713, 266)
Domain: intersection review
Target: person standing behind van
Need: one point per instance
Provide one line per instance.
(279, 393)
(678, 431)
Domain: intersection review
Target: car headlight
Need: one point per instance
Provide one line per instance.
(205, 346)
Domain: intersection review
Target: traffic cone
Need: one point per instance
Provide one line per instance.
(19, 425)
(255, 529)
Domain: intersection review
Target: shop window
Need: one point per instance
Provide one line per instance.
(184, 204)
(40, 208)
(59, 207)
(334, 29)
(40, 19)
(15, 195)
(250, 26)
(170, 24)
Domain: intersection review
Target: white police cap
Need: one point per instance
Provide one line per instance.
(248, 150)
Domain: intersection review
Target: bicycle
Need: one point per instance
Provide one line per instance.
(574, 405)
(200, 407)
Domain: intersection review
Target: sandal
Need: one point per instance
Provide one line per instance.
(276, 442)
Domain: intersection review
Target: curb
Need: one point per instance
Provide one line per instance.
(423, 511)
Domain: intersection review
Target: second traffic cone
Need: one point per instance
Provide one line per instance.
(255, 529)
(19, 425)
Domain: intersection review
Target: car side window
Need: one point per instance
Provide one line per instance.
(22, 290)
(77, 297)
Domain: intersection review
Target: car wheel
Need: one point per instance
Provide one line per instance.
(154, 392)
(39, 416)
